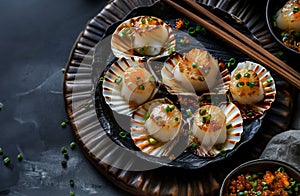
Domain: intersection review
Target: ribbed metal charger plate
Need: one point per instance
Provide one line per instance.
(96, 139)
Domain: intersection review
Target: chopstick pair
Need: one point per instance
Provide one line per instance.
(240, 41)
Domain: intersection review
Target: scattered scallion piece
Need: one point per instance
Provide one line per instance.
(118, 80)
(176, 118)
(181, 41)
(194, 65)
(101, 79)
(72, 145)
(142, 87)
(63, 124)
(231, 62)
(280, 169)
(188, 112)
(63, 149)
(240, 84)
(203, 111)
(229, 126)
(198, 28)
(20, 156)
(250, 84)
(223, 153)
(6, 160)
(147, 115)
(66, 155)
(86, 104)
(152, 140)
(269, 80)
(143, 21)
(151, 79)
(64, 163)
(1, 151)
(186, 22)
(63, 70)
(247, 75)
(194, 145)
(192, 30)
(122, 134)
(248, 177)
(171, 50)
(206, 71)
(296, 9)
(203, 31)
(200, 104)
(238, 76)
(189, 132)
(71, 182)
(72, 193)
(149, 19)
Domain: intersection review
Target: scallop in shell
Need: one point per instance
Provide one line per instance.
(215, 129)
(128, 84)
(146, 36)
(288, 18)
(194, 71)
(156, 126)
(252, 88)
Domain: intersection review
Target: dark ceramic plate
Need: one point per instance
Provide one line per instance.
(256, 166)
(95, 127)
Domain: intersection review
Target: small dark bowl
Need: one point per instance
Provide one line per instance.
(272, 8)
(255, 166)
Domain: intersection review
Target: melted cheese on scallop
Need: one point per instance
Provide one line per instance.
(209, 126)
(163, 123)
(246, 87)
(197, 71)
(137, 85)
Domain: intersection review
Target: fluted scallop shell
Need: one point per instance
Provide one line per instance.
(268, 83)
(234, 125)
(112, 90)
(141, 137)
(175, 87)
(124, 46)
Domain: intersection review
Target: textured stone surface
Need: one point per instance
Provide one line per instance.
(284, 147)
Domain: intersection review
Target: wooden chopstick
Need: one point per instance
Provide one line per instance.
(244, 44)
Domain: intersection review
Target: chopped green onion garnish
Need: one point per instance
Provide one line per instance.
(72, 145)
(206, 119)
(265, 188)
(147, 115)
(203, 31)
(122, 134)
(198, 28)
(181, 41)
(192, 30)
(240, 84)
(63, 124)
(280, 169)
(249, 113)
(194, 65)
(63, 149)
(72, 193)
(176, 118)
(172, 107)
(64, 163)
(72, 184)
(20, 156)
(86, 104)
(118, 79)
(149, 19)
(203, 111)
(143, 20)
(296, 9)
(279, 53)
(229, 126)
(189, 132)
(248, 177)
(269, 80)
(1, 151)
(167, 108)
(201, 67)
(151, 79)
(223, 153)
(231, 62)
(189, 112)
(200, 104)
(63, 70)
(247, 75)
(238, 76)
(194, 145)
(250, 84)
(206, 71)
(66, 155)
(186, 21)
(258, 193)
(171, 50)
(152, 140)
(101, 79)
(263, 183)
(142, 87)
(6, 160)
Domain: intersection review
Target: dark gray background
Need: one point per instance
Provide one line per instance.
(36, 38)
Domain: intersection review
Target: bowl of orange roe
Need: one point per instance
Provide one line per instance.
(262, 177)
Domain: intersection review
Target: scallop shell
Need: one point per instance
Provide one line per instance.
(112, 90)
(234, 122)
(123, 46)
(268, 83)
(141, 137)
(174, 87)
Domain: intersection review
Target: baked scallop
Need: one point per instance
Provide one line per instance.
(146, 36)
(288, 17)
(195, 71)
(128, 84)
(252, 88)
(215, 129)
(155, 127)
